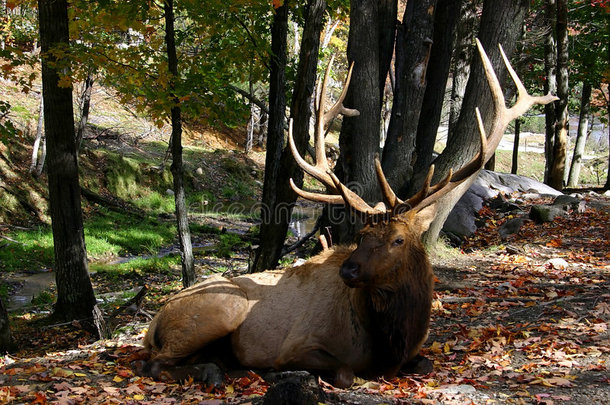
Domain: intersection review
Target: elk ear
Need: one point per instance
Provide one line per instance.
(423, 219)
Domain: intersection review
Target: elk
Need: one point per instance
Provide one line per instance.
(351, 310)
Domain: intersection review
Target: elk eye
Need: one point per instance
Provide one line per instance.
(398, 241)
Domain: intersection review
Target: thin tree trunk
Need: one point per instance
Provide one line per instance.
(550, 84)
(75, 297)
(515, 163)
(501, 23)
(84, 113)
(581, 136)
(607, 185)
(184, 234)
(466, 32)
(557, 169)
(277, 218)
(413, 48)
(436, 78)
(43, 156)
(6, 340)
(37, 140)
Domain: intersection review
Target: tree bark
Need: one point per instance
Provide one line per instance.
(275, 226)
(84, 113)
(75, 297)
(184, 233)
(550, 84)
(38, 139)
(6, 340)
(413, 48)
(501, 23)
(560, 144)
(515, 163)
(466, 32)
(436, 78)
(581, 136)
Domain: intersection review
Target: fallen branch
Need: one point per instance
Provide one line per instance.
(136, 299)
(112, 204)
(305, 238)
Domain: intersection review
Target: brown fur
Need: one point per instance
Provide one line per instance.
(310, 317)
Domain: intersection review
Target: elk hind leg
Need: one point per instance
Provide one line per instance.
(191, 320)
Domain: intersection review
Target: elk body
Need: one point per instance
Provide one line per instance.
(361, 309)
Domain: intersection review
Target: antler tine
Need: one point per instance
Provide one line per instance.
(338, 107)
(319, 171)
(388, 194)
(320, 119)
(353, 200)
(324, 198)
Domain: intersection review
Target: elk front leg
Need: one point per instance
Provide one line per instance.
(316, 358)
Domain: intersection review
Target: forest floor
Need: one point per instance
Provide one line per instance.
(523, 320)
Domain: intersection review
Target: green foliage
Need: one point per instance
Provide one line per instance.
(45, 298)
(138, 266)
(7, 128)
(228, 242)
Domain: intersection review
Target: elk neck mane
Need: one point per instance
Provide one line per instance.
(399, 313)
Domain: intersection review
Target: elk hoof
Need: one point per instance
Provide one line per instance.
(418, 365)
(344, 378)
(210, 374)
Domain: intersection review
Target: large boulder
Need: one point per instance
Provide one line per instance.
(462, 220)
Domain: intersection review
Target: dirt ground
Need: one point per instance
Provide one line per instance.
(522, 320)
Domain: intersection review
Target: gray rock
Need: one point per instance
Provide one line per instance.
(566, 202)
(199, 171)
(169, 191)
(511, 227)
(545, 213)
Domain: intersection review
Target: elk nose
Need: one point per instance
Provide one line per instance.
(350, 270)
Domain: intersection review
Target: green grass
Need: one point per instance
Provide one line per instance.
(107, 234)
(138, 266)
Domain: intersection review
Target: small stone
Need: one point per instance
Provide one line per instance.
(253, 173)
(545, 213)
(199, 171)
(169, 191)
(557, 263)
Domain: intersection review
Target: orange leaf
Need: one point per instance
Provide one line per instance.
(555, 243)
(278, 3)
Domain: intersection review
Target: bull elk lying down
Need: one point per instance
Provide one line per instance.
(350, 310)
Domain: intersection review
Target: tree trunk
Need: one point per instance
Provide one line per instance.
(38, 139)
(184, 234)
(84, 113)
(75, 297)
(550, 84)
(515, 163)
(501, 23)
(275, 225)
(436, 78)
(581, 136)
(413, 47)
(560, 142)
(607, 185)
(466, 32)
(6, 340)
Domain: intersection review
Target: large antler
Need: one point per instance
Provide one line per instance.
(428, 194)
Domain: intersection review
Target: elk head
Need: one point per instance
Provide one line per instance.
(390, 240)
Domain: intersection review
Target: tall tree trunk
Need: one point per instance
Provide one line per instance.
(560, 143)
(274, 229)
(436, 78)
(38, 139)
(550, 84)
(75, 297)
(84, 111)
(6, 340)
(466, 32)
(184, 233)
(413, 48)
(515, 163)
(607, 185)
(581, 136)
(501, 23)
(359, 137)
